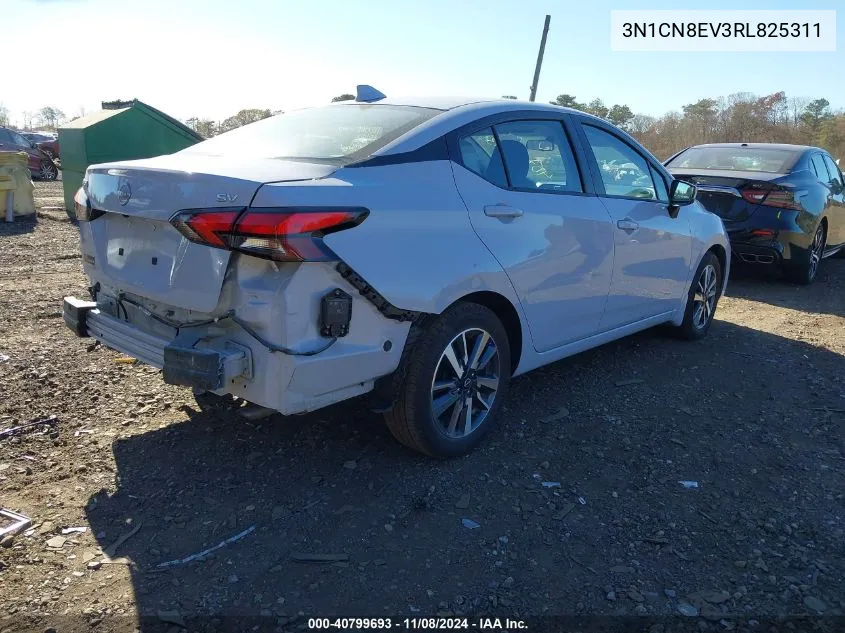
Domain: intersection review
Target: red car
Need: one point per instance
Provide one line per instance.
(41, 166)
(48, 144)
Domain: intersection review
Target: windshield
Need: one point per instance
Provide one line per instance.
(778, 161)
(339, 133)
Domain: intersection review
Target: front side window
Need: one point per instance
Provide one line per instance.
(538, 156)
(624, 171)
(338, 134)
(5, 136)
(480, 155)
(660, 188)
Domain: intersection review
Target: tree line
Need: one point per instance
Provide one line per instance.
(208, 128)
(739, 117)
(46, 118)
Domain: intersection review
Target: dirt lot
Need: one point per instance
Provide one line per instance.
(754, 414)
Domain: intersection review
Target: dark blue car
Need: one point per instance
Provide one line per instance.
(782, 205)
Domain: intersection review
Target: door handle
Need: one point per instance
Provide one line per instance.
(502, 211)
(627, 225)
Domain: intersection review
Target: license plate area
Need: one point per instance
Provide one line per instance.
(150, 258)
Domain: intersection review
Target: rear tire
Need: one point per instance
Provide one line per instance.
(804, 268)
(459, 363)
(703, 297)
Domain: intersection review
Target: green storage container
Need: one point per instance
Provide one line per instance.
(122, 130)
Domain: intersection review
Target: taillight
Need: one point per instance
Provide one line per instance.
(80, 205)
(771, 196)
(287, 235)
(206, 227)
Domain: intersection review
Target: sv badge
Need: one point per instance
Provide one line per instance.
(227, 197)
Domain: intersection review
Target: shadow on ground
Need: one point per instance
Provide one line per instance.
(335, 484)
(21, 225)
(825, 296)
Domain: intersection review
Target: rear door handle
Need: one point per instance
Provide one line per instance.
(502, 211)
(627, 225)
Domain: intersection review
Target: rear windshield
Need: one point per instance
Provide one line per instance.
(779, 161)
(336, 134)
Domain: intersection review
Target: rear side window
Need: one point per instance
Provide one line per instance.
(480, 155)
(767, 159)
(835, 174)
(5, 137)
(538, 156)
(818, 166)
(624, 172)
(337, 134)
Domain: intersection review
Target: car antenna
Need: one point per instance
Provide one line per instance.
(367, 94)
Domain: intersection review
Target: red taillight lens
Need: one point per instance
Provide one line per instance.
(771, 196)
(277, 234)
(206, 227)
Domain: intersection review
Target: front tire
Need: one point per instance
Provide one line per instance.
(703, 298)
(457, 376)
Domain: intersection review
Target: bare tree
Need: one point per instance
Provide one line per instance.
(50, 117)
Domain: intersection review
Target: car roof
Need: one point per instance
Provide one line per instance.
(780, 146)
(451, 102)
(433, 102)
(457, 111)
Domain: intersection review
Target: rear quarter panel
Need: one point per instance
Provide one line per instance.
(417, 247)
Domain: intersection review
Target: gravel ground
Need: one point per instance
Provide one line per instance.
(754, 414)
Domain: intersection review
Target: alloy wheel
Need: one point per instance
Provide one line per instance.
(48, 172)
(465, 383)
(704, 300)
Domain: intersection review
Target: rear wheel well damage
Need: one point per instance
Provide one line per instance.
(386, 389)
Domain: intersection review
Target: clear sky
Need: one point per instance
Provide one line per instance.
(211, 58)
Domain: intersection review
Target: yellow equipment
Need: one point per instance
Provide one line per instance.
(15, 180)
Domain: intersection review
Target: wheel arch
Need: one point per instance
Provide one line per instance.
(507, 313)
(386, 388)
(719, 251)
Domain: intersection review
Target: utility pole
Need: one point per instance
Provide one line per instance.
(540, 59)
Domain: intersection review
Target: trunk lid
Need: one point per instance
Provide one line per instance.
(720, 191)
(138, 251)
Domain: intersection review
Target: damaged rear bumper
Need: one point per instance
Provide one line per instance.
(207, 364)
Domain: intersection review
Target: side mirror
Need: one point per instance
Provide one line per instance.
(681, 193)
